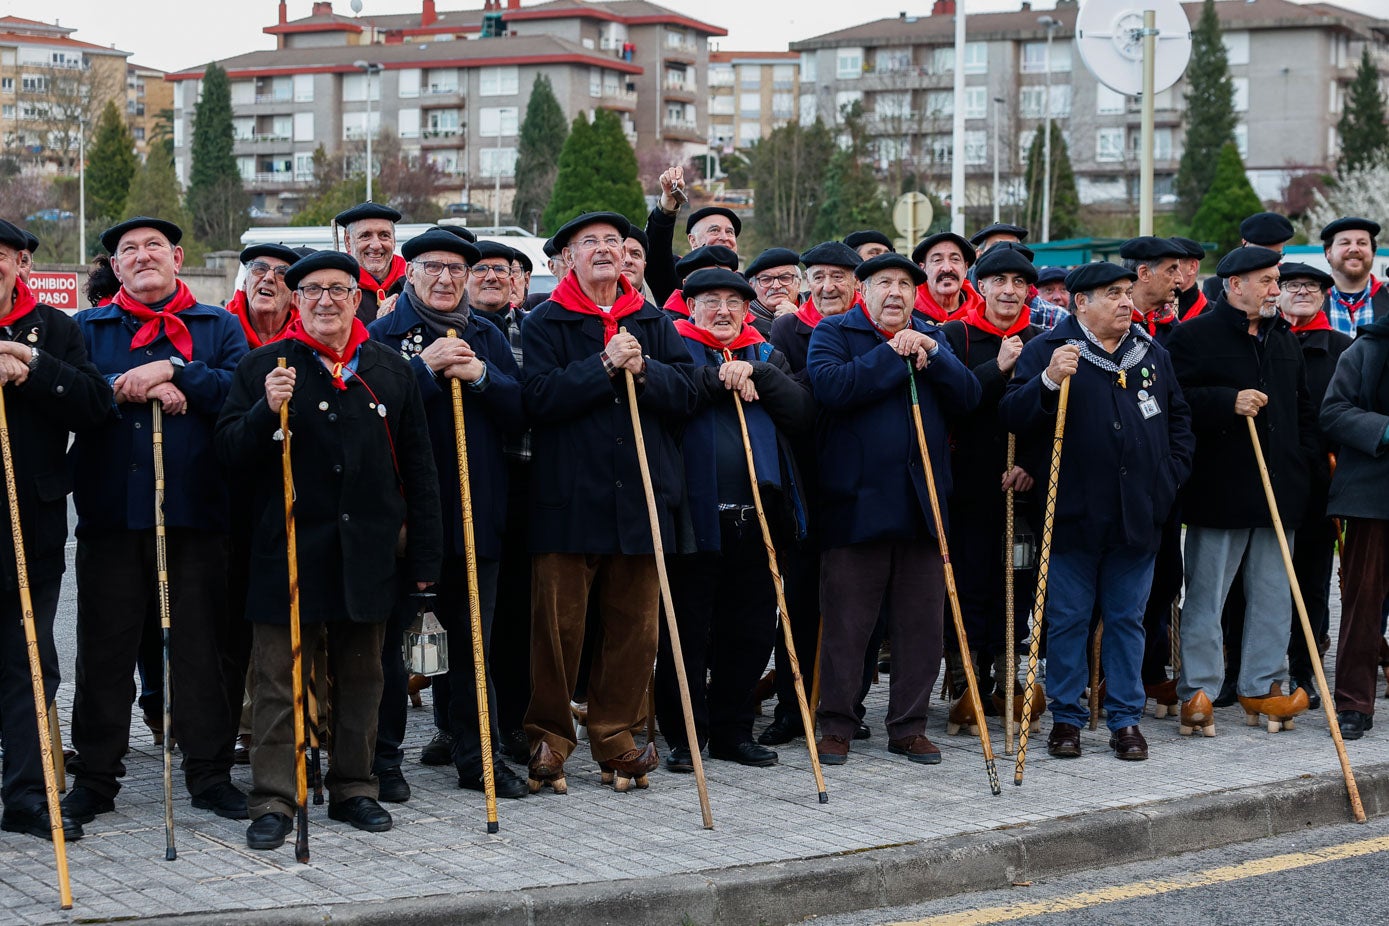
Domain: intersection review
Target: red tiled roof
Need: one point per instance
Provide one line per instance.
(55, 41)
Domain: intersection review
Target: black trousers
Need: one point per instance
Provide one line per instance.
(800, 569)
(1312, 558)
(462, 680)
(1157, 615)
(22, 785)
(116, 586)
(510, 655)
(725, 607)
(391, 713)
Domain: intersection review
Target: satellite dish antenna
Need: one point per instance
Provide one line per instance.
(356, 6)
(1109, 35)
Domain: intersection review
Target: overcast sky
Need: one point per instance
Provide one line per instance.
(175, 34)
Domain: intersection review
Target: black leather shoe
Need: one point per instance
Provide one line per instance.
(680, 760)
(1313, 699)
(438, 751)
(1128, 743)
(1064, 741)
(82, 804)
(392, 786)
(362, 813)
(35, 822)
(1353, 724)
(781, 731)
(223, 799)
(516, 746)
(1227, 695)
(861, 732)
(268, 831)
(745, 753)
(508, 783)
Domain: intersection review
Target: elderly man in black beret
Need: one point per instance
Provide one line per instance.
(869, 243)
(946, 293)
(1051, 286)
(709, 225)
(1261, 230)
(723, 595)
(262, 304)
(998, 232)
(881, 548)
(1357, 296)
(363, 469)
(775, 275)
(1157, 263)
(1191, 302)
(829, 271)
(589, 521)
(369, 235)
(1236, 361)
(710, 255)
(1127, 450)
(51, 389)
(634, 251)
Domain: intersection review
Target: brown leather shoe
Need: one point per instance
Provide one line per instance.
(546, 768)
(833, 750)
(1164, 693)
(630, 768)
(916, 748)
(1064, 741)
(1128, 743)
(1278, 708)
(1197, 713)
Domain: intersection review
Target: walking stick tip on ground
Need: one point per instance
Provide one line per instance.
(824, 797)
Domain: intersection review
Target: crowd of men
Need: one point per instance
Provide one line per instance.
(869, 406)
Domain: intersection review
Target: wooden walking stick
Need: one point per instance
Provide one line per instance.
(1039, 598)
(796, 680)
(677, 655)
(1095, 651)
(465, 500)
(1010, 659)
(161, 558)
(296, 645)
(31, 645)
(971, 682)
(1356, 808)
(815, 676)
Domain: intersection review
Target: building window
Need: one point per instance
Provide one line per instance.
(749, 133)
(7, 111)
(1034, 57)
(355, 125)
(976, 57)
(808, 108)
(1109, 145)
(1109, 102)
(676, 38)
(494, 161)
(354, 89)
(720, 75)
(443, 123)
(845, 99)
(303, 88)
(408, 83)
(1241, 94)
(848, 63)
(895, 105)
(495, 120)
(721, 105)
(750, 104)
(408, 123)
(783, 75)
(940, 104)
(34, 83)
(890, 60)
(243, 92)
(942, 149)
(498, 81)
(1236, 47)
(440, 81)
(783, 105)
(677, 79)
(303, 126)
(808, 66)
(1032, 101)
(1242, 139)
(6, 85)
(943, 59)
(976, 147)
(976, 102)
(303, 167)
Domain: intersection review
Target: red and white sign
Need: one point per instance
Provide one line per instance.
(60, 290)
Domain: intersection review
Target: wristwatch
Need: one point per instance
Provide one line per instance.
(178, 363)
(33, 358)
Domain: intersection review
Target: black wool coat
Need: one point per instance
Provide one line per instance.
(1215, 357)
(359, 476)
(1320, 351)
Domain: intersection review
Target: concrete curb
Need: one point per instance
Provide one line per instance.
(778, 893)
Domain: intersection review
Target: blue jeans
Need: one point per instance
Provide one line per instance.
(1117, 580)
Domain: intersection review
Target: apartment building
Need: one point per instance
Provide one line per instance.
(750, 94)
(1291, 64)
(147, 96)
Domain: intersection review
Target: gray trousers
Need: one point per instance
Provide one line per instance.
(1213, 556)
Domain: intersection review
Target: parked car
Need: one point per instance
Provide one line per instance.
(49, 215)
(464, 210)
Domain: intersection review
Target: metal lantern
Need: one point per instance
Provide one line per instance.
(426, 640)
(1024, 546)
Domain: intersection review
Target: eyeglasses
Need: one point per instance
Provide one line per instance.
(734, 304)
(480, 271)
(432, 268)
(781, 279)
(1300, 287)
(259, 268)
(591, 244)
(337, 292)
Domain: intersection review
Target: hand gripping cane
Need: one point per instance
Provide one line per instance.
(797, 681)
(31, 644)
(1356, 808)
(1043, 563)
(465, 500)
(970, 680)
(161, 558)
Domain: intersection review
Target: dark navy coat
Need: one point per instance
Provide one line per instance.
(791, 336)
(872, 484)
(586, 488)
(1120, 471)
(113, 463)
(490, 417)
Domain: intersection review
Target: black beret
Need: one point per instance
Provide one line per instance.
(436, 239)
(890, 261)
(1017, 246)
(12, 236)
(921, 250)
(1266, 228)
(998, 228)
(489, 249)
(321, 260)
(773, 257)
(551, 251)
(1005, 260)
(639, 236)
(578, 223)
(366, 211)
(710, 278)
(286, 254)
(711, 255)
(31, 243)
(465, 233)
(1051, 275)
(304, 251)
(1292, 270)
(1246, 260)
(1151, 247)
(522, 258)
(858, 239)
(1092, 276)
(113, 235)
(1193, 248)
(1348, 223)
(831, 254)
(700, 214)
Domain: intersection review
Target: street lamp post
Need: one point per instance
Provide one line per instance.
(369, 68)
(998, 117)
(82, 191)
(1049, 23)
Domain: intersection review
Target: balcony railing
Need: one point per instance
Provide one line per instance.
(274, 98)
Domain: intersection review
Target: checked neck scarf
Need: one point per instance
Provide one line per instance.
(1093, 352)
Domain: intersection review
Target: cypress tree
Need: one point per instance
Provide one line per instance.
(1210, 113)
(1065, 201)
(111, 165)
(543, 133)
(155, 190)
(597, 172)
(1229, 200)
(853, 199)
(216, 199)
(1362, 130)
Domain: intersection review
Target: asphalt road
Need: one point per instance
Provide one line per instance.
(1333, 876)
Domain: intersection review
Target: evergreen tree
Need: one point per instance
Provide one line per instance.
(1065, 201)
(1362, 129)
(1210, 113)
(216, 199)
(787, 170)
(852, 198)
(597, 172)
(155, 189)
(111, 166)
(1229, 200)
(543, 133)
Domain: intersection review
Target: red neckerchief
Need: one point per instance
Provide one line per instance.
(239, 307)
(887, 335)
(809, 314)
(927, 305)
(174, 328)
(24, 303)
(676, 303)
(1197, 307)
(570, 295)
(976, 318)
(370, 283)
(1318, 322)
(748, 335)
(296, 332)
(1162, 316)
